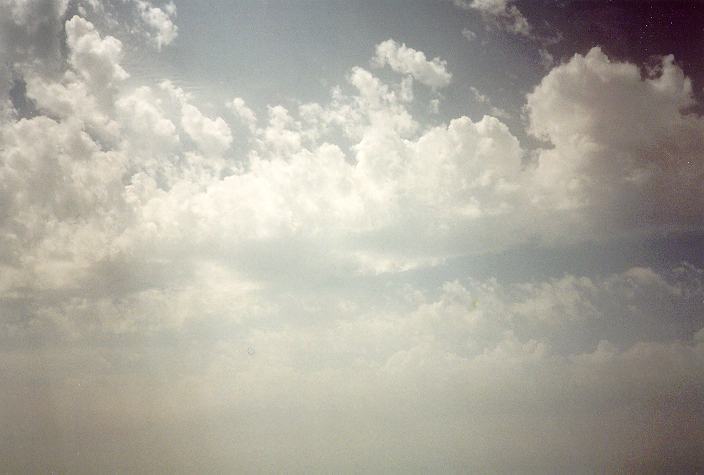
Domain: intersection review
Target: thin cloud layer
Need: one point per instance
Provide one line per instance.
(490, 366)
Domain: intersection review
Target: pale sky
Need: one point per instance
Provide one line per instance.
(452, 236)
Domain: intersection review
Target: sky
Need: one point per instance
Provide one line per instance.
(451, 236)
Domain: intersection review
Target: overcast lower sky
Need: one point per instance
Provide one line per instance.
(362, 237)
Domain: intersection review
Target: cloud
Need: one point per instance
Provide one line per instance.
(405, 60)
(546, 59)
(141, 256)
(499, 14)
(96, 59)
(32, 29)
(246, 115)
(362, 175)
(641, 172)
(211, 135)
(142, 112)
(160, 21)
(380, 184)
(483, 99)
(469, 34)
(28, 29)
(486, 367)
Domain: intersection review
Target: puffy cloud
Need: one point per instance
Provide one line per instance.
(61, 195)
(639, 172)
(160, 21)
(211, 135)
(151, 131)
(41, 153)
(96, 59)
(145, 115)
(28, 30)
(31, 29)
(376, 175)
(405, 60)
(135, 273)
(71, 98)
(280, 135)
(246, 115)
(86, 91)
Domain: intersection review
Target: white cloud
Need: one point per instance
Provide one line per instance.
(71, 99)
(405, 60)
(150, 128)
(246, 115)
(637, 173)
(460, 188)
(212, 135)
(55, 180)
(135, 272)
(96, 59)
(164, 31)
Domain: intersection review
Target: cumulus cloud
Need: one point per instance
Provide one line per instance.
(246, 115)
(641, 172)
(28, 30)
(160, 21)
(96, 59)
(401, 194)
(211, 135)
(142, 112)
(140, 259)
(405, 60)
(459, 188)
